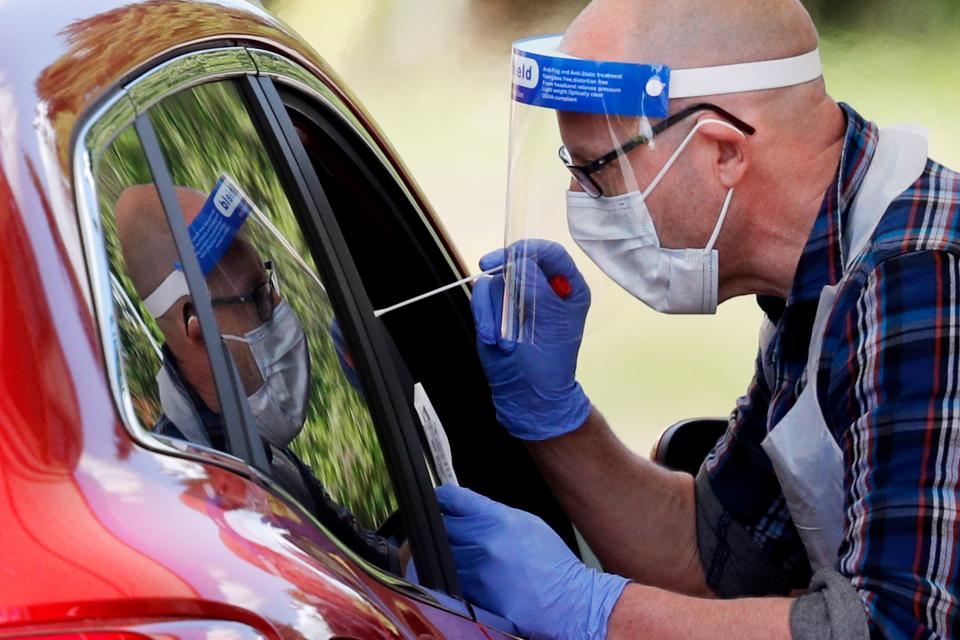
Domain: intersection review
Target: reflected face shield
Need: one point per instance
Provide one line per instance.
(581, 125)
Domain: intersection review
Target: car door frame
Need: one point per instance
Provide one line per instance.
(121, 109)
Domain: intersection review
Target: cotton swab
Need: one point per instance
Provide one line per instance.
(446, 287)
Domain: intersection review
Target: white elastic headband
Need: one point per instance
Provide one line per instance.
(173, 287)
(717, 80)
(748, 76)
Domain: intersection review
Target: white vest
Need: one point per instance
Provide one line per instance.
(805, 456)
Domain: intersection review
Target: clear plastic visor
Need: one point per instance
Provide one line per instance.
(581, 167)
(576, 127)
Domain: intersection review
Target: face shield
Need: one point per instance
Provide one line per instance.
(578, 135)
(267, 328)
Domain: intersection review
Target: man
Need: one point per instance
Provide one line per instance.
(266, 342)
(843, 457)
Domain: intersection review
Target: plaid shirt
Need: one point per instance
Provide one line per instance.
(889, 387)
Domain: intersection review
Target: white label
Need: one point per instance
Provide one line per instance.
(436, 436)
(526, 72)
(227, 198)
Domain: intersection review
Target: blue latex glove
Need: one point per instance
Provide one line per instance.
(511, 563)
(534, 386)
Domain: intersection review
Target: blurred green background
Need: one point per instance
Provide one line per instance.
(435, 76)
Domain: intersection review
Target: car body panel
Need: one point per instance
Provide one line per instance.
(99, 528)
(68, 72)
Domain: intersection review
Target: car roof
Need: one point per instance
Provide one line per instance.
(59, 57)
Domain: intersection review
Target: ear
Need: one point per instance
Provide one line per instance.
(192, 327)
(732, 156)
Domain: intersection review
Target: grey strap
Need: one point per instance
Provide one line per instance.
(832, 610)
(734, 565)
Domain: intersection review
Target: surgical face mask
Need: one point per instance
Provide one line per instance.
(279, 347)
(618, 234)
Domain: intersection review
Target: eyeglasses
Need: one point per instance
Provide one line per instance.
(261, 296)
(581, 173)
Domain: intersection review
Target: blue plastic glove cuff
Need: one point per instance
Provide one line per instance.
(610, 588)
(513, 564)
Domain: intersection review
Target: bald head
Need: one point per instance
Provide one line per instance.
(145, 240)
(784, 167)
(687, 34)
(150, 253)
(691, 33)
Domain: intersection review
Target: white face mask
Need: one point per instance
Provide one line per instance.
(618, 234)
(280, 348)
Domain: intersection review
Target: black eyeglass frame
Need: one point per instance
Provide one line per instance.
(261, 296)
(581, 173)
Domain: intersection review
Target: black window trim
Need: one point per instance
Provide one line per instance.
(355, 146)
(323, 117)
(376, 172)
(290, 76)
(397, 431)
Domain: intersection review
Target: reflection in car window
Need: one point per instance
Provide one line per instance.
(270, 304)
(124, 164)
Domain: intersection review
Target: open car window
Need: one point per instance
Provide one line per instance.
(399, 255)
(287, 344)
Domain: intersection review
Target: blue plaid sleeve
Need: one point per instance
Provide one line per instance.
(748, 544)
(892, 398)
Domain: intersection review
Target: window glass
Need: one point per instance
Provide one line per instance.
(122, 165)
(270, 304)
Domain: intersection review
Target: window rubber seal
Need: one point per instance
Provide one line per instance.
(393, 418)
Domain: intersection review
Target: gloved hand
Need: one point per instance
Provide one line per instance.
(511, 563)
(534, 385)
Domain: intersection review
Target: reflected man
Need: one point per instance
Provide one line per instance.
(266, 342)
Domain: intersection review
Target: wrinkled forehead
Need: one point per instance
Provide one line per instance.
(588, 136)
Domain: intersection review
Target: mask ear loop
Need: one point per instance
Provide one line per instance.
(727, 200)
(716, 229)
(683, 145)
(673, 159)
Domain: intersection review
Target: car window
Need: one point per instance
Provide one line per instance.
(287, 344)
(434, 338)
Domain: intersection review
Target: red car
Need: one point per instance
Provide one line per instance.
(206, 430)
